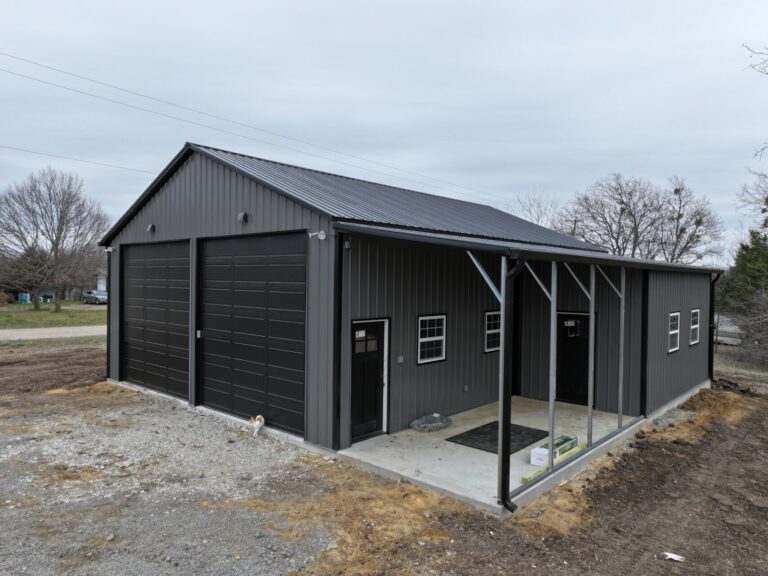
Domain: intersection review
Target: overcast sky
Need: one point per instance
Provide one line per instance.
(497, 98)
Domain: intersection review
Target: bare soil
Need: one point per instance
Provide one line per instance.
(96, 479)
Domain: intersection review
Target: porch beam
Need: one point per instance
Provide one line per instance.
(586, 292)
(552, 365)
(611, 284)
(539, 282)
(622, 314)
(491, 284)
(591, 363)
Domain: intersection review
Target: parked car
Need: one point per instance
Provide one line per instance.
(95, 297)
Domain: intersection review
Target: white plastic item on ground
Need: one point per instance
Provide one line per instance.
(673, 556)
(563, 443)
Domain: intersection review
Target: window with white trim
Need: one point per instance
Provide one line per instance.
(674, 331)
(492, 331)
(431, 338)
(695, 315)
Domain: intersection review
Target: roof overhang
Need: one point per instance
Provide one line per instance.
(517, 249)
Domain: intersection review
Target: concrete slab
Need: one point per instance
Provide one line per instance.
(466, 473)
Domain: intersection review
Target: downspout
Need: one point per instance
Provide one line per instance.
(712, 326)
(109, 307)
(506, 382)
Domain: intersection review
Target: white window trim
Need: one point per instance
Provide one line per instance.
(693, 342)
(487, 332)
(673, 331)
(430, 339)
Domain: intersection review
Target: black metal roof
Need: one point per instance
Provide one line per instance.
(342, 198)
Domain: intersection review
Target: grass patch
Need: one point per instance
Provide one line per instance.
(25, 316)
(730, 360)
(59, 343)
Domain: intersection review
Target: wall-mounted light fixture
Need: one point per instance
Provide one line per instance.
(242, 218)
(321, 235)
(151, 228)
(108, 249)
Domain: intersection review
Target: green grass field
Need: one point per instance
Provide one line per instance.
(24, 316)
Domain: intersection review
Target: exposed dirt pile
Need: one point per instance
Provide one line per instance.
(36, 370)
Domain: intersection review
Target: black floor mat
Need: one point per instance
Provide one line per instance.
(486, 437)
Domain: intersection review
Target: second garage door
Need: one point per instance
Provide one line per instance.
(252, 315)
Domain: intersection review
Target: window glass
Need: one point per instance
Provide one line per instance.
(431, 339)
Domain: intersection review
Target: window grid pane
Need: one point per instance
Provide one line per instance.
(431, 344)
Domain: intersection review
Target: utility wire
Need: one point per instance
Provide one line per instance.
(195, 123)
(236, 122)
(59, 156)
(218, 129)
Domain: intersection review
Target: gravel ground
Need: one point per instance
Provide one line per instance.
(123, 478)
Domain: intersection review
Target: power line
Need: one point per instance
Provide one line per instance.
(221, 130)
(59, 156)
(195, 123)
(236, 122)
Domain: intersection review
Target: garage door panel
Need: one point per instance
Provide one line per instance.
(155, 311)
(286, 330)
(252, 317)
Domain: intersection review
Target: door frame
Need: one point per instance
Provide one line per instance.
(567, 313)
(385, 393)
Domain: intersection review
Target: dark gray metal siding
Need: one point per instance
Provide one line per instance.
(671, 374)
(534, 333)
(401, 281)
(202, 199)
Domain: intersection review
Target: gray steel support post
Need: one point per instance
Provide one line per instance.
(622, 314)
(591, 368)
(503, 446)
(552, 364)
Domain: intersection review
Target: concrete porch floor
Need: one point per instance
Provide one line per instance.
(468, 473)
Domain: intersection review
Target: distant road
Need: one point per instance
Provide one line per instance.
(42, 333)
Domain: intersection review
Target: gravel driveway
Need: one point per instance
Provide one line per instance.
(129, 484)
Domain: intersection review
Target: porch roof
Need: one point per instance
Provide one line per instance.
(518, 249)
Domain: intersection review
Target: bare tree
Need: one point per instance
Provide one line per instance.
(689, 229)
(48, 214)
(759, 63)
(539, 210)
(620, 214)
(634, 217)
(754, 197)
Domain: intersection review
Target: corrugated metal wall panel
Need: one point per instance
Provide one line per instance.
(533, 315)
(402, 281)
(202, 199)
(671, 374)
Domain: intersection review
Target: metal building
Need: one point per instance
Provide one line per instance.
(342, 310)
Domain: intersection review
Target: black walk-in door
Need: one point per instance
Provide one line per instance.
(251, 317)
(572, 358)
(367, 377)
(154, 339)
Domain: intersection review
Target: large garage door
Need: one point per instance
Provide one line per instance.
(252, 310)
(155, 316)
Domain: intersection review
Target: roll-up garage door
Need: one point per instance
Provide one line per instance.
(252, 315)
(155, 316)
